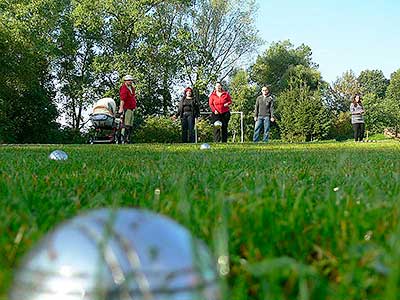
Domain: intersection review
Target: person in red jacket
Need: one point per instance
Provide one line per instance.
(127, 106)
(219, 102)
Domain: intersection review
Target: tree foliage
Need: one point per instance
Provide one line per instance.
(281, 59)
(373, 82)
(60, 56)
(303, 116)
(244, 95)
(222, 33)
(344, 88)
(27, 109)
(392, 102)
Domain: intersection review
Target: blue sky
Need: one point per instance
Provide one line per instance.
(343, 35)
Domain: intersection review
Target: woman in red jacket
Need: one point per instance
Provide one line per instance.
(219, 102)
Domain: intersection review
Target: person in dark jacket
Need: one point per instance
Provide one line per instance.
(263, 114)
(188, 111)
(219, 102)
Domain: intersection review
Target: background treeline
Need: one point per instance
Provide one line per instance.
(59, 56)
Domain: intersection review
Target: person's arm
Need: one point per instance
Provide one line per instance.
(271, 109)
(122, 96)
(121, 107)
(256, 107)
(228, 100)
(180, 107)
(211, 104)
(134, 96)
(353, 110)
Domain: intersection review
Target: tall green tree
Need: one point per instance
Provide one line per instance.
(27, 109)
(392, 102)
(342, 91)
(373, 82)
(222, 33)
(244, 94)
(373, 86)
(275, 64)
(76, 50)
(166, 62)
(141, 38)
(376, 117)
(303, 115)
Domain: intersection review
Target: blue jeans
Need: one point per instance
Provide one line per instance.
(261, 122)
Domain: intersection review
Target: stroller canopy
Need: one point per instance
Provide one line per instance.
(105, 106)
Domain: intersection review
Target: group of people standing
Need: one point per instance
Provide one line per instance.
(219, 102)
(189, 109)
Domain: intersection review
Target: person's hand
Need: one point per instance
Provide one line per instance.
(272, 119)
(216, 112)
(255, 119)
(226, 104)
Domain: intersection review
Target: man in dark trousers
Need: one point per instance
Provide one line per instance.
(263, 114)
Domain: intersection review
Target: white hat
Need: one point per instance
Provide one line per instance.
(128, 77)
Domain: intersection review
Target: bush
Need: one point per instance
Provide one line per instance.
(303, 115)
(67, 135)
(205, 132)
(341, 128)
(156, 129)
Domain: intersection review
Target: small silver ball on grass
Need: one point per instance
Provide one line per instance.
(122, 254)
(58, 155)
(205, 146)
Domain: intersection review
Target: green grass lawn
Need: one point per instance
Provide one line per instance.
(298, 221)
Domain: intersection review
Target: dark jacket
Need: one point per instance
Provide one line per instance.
(188, 106)
(264, 106)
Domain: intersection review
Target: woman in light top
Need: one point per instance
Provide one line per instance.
(357, 118)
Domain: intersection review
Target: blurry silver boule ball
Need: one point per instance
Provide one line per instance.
(120, 254)
(205, 146)
(58, 155)
(217, 124)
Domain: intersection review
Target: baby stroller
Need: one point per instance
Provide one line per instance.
(106, 126)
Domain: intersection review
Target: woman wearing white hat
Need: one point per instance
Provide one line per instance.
(127, 106)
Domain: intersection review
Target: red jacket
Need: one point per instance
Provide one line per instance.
(217, 103)
(128, 97)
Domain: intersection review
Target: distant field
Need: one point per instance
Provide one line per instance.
(300, 221)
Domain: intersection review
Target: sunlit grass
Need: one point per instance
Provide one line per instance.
(299, 221)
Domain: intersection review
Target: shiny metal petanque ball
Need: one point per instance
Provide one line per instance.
(217, 124)
(205, 146)
(120, 254)
(58, 155)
